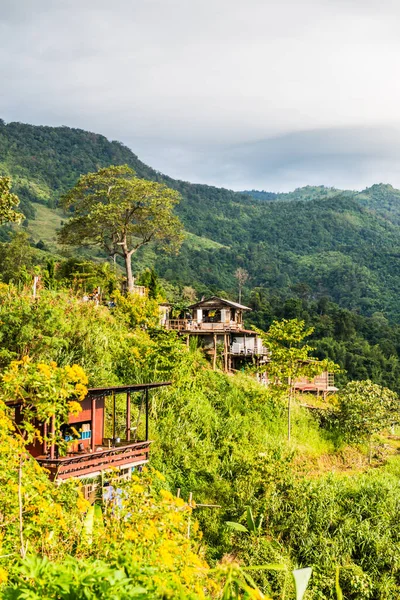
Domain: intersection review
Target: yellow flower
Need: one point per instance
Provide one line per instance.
(82, 504)
(3, 575)
(74, 407)
(45, 369)
(137, 489)
(159, 475)
(166, 495)
(80, 390)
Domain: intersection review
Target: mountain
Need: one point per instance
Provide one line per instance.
(323, 241)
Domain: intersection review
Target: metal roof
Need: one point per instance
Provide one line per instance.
(107, 391)
(220, 300)
(120, 389)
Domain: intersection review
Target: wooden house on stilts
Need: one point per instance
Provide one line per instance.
(218, 325)
(97, 439)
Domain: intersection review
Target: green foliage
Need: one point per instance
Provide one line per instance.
(71, 580)
(290, 357)
(363, 347)
(218, 436)
(119, 212)
(51, 516)
(340, 244)
(366, 408)
(8, 203)
(45, 393)
(340, 520)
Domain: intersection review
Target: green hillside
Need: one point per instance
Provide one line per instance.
(343, 245)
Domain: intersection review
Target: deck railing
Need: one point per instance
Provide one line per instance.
(89, 463)
(188, 325)
(240, 349)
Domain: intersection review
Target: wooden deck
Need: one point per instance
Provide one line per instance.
(88, 464)
(193, 326)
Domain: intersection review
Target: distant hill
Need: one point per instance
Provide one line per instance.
(322, 241)
(309, 192)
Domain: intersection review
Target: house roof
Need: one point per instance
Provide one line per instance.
(121, 389)
(209, 302)
(107, 391)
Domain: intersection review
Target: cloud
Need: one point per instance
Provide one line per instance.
(192, 86)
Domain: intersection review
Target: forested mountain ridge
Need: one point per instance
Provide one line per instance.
(382, 199)
(340, 244)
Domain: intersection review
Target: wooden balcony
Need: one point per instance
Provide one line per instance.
(238, 349)
(88, 464)
(188, 325)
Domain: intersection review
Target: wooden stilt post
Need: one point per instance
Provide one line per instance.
(44, 438)
(189, 519)
(215, 352)
(93, 421)
(147, 414)
(114, 416)
(52, 434)
(128, 417)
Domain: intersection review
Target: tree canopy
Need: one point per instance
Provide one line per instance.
(120, 212)
(291, 357)
(8, 203)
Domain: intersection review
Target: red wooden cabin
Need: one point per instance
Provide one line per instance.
(93, 452)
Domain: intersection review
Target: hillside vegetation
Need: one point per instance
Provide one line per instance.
(344, 245)
(220, 437)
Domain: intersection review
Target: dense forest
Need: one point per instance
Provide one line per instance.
(343, 245)
(326, 256)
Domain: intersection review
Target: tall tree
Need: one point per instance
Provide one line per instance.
(365, 409)
(8, 203)
(241, 276)
(290, 357)
(119, 212)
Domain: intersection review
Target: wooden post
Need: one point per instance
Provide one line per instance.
(189, 519)
(93, 420)
(215, 352)
(128, 417)
(114, 416)
(44, 438)
(226, 347)
(147, 414)
(52, 434)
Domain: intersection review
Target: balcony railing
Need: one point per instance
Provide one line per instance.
(89, 463)
(188, 325)
(240, 349)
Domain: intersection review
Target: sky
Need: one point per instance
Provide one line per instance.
(245, 95)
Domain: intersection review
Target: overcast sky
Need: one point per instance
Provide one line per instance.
(244, 94)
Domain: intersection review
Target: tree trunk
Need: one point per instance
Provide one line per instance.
(128, 267)
(289, 426)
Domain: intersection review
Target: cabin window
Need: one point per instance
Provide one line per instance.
(212, 316)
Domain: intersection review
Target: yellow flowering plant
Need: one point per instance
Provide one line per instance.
(153, 535)
(36, 516)
(43, 392)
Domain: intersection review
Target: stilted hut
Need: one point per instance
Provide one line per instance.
(94, 439)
